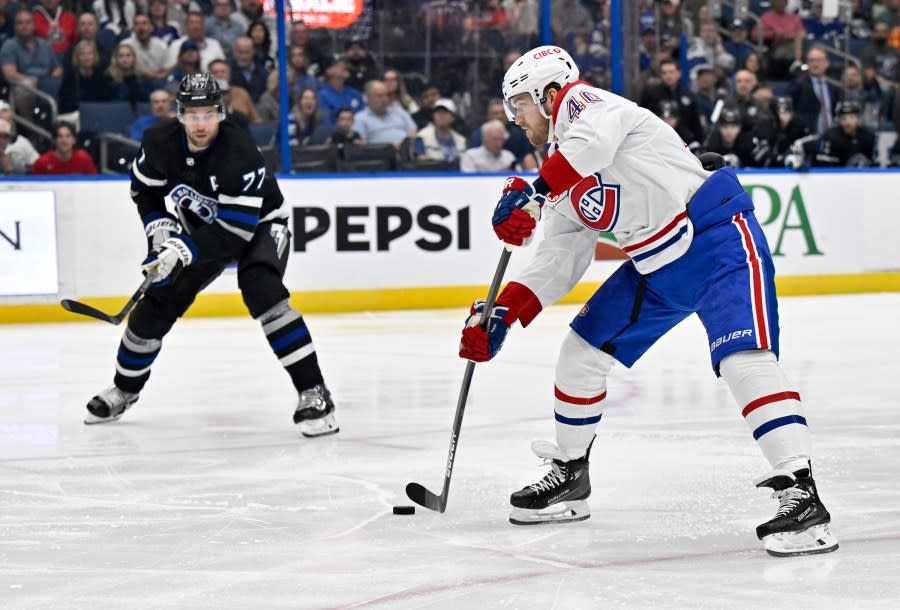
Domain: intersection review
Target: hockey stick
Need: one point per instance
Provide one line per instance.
(87, 310)
(417, 493)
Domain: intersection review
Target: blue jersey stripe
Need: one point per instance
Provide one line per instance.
(661, 247)
(777, 423)
(577, 421)
(294, 335)
(247, 219)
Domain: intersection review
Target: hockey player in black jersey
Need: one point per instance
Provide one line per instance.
(222, 207)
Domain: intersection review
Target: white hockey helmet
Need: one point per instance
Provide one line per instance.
(533, 71)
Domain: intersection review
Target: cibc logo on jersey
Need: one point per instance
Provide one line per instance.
(205, 208)
(596, 204)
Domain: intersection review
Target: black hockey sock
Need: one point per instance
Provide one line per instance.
(290, 340)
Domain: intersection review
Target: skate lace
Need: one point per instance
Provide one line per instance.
(789, 499)
(552, 479)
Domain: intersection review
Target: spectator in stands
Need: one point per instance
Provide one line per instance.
(17, 154)
(397, 94)
(515, 140)
(64, 158)
(251, 11)
(754, 63)
(57, 26)
(306, 125)
(117, 16)
(245, 72)
(360, 64)
(124, 82)
(438, 140)
(237, 99)
(334, 94)
(881, 60)
(647, 50)
(188, 63)
(523, 17)
(318, 61)
(783, 32)
(7, 19)
(817, 27)
(755, 117)
(89, 29)
(262, 45)
(223, 26)
(160, 108)
(814, 97)
(427, 97)
(570, 18)
(83, 81)
(380, 123)
(728, 140)
(847, 144)
(195, 28)
(736, 45)
(670, 89)
(164, 29)
(668, 112)
(151, 53)
(344, 133)
(706, 93)
(490, 156)
(25, 58)
(866, 92)
(671, 26)
(788, 131)
(298, 79)
(707, 48)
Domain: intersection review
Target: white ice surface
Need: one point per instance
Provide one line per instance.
(204, 495)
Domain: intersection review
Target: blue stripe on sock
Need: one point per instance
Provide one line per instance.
(294, 335)
(777, 423)
(133, 362)
(661, 247)
(577, 421)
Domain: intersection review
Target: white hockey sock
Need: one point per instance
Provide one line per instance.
(770, 406)
(579, 391)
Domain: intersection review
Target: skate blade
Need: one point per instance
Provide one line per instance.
(563, 512)
(92, 419)
(812, 541)
(323, 426)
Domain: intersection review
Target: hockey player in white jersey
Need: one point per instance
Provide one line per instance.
(695, 246)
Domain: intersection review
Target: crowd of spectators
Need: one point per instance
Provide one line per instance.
(766, 88)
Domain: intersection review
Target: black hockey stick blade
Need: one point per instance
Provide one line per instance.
(423, 497)
(80, 308)
(416, 492)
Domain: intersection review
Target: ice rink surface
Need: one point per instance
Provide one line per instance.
(205, 496)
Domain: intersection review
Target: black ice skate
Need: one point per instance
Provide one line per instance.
(315, 412)
(800, 527)
(561, 496)
(109, 405)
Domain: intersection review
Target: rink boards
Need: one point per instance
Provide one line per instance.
(412, 241)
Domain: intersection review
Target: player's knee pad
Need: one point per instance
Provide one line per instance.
(152, 318)
(581, 367)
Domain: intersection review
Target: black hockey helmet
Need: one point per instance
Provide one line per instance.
(847, 107)
(200, 90)
(784, 103)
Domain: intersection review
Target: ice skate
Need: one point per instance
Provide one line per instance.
(559, 497)
(109, 405)
(315, 412)
(800, 527)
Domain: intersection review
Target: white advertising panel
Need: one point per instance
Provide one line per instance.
(28, 256)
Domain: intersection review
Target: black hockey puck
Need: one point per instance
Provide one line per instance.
(404, 510)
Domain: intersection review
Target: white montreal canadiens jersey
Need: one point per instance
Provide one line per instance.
(614, 167)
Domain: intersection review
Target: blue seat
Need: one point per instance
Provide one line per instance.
(103, 117)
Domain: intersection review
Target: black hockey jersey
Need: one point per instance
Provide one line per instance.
(220, 194)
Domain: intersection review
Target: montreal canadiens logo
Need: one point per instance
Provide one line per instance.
(596, 204)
